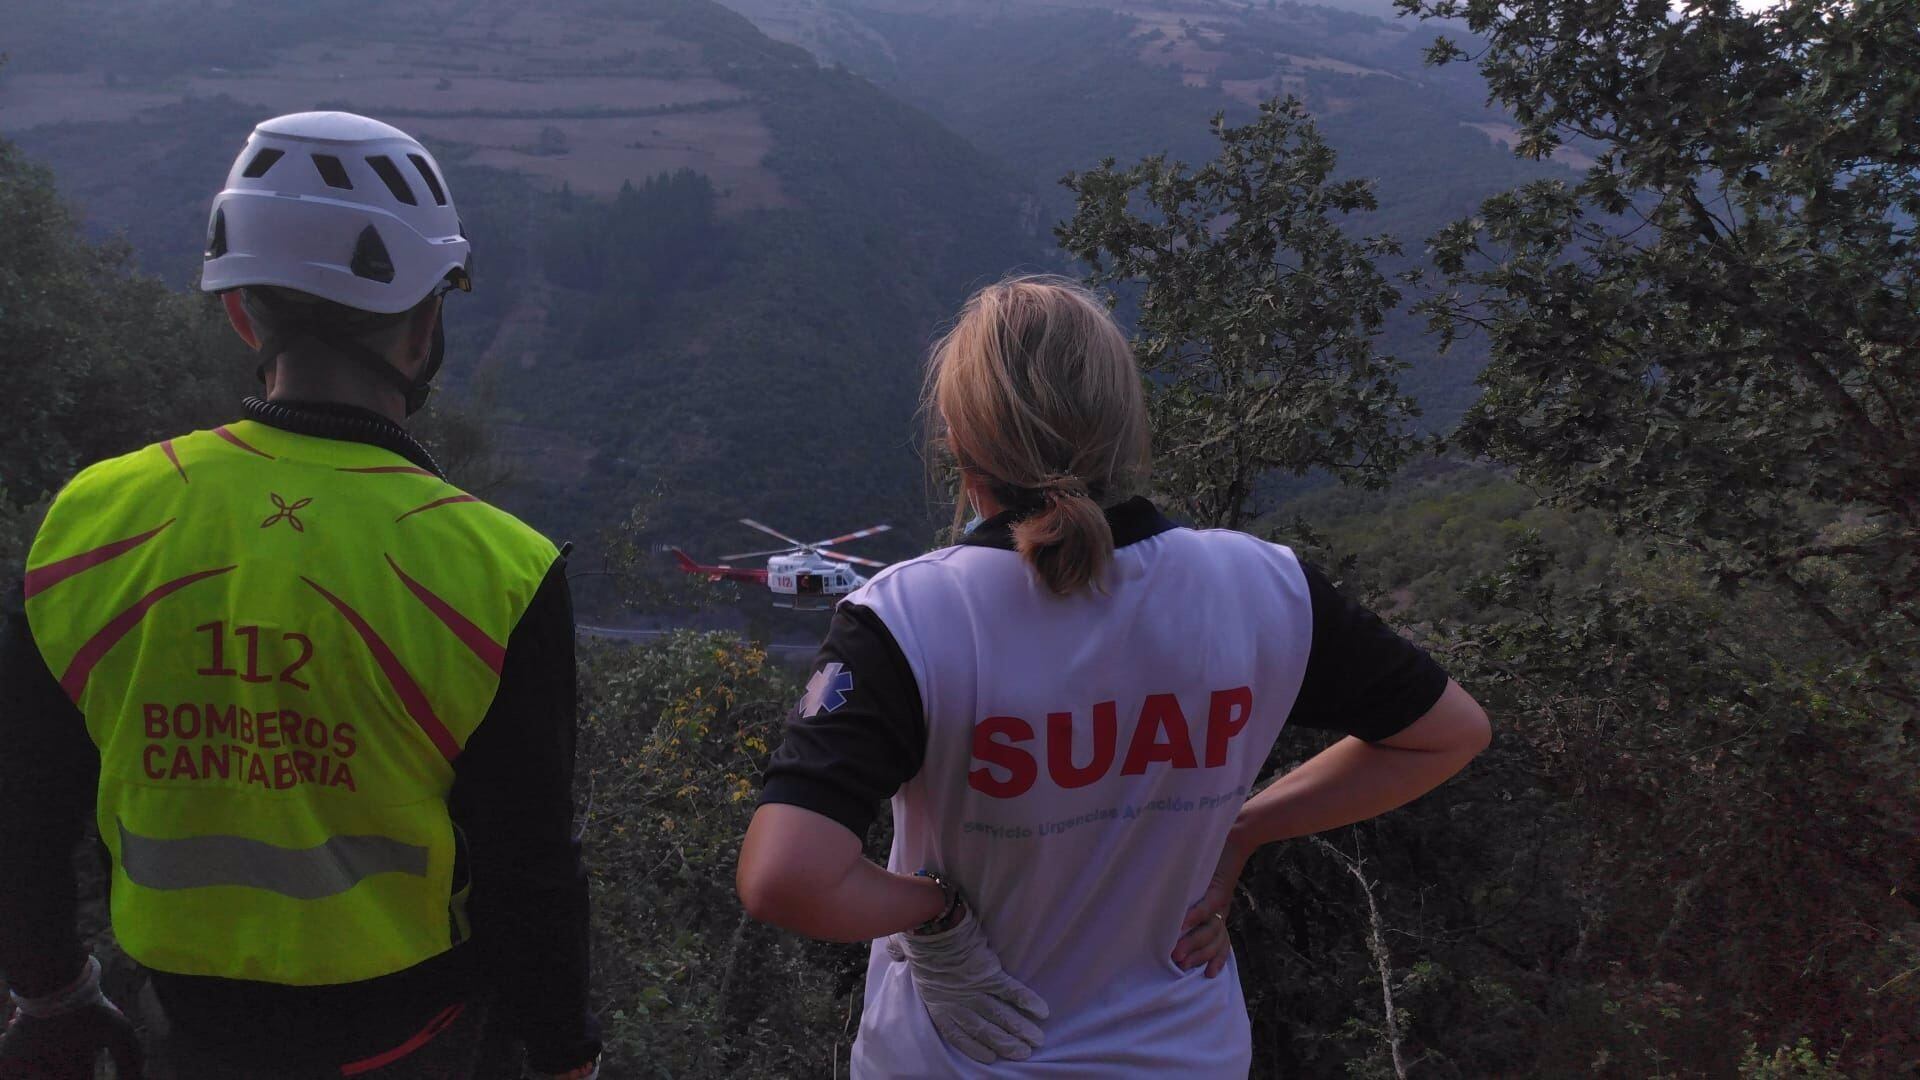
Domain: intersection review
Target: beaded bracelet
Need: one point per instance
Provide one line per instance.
(946, 918)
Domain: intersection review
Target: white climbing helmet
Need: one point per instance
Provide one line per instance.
(339, 206)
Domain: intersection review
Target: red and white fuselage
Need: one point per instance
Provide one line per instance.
(805, 577)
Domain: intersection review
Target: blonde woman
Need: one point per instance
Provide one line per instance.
(1068, 710)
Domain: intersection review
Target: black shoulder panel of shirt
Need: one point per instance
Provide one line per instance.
(511, 801)
(843, 761)
(859, 733)
(1362, 679)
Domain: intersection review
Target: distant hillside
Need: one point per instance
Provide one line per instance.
(567, 93)
(1051, 86)
(708, 266)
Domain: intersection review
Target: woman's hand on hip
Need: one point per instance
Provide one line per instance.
(974, 1004)
(1203, 932)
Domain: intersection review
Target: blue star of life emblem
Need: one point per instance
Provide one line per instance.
(827, 690)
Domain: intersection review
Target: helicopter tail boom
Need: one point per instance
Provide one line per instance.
(721, 572)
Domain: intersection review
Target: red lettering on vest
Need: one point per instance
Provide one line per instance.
(1160, 712)
(1161, 734)
(156, 721)
(1021, 769)
(186, 721)
(214, 759)
(315, 733)
(220, 722)
(284, 774)
(1060, 765)
(149, 756)
(245, 727)
(183, 765)
(343, 742)
(1227, 713)
(303, 761)
(256, 772)
(268, 730)
(344, 778)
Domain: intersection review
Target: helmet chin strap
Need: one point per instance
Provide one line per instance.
(422, 388)
(415, 391)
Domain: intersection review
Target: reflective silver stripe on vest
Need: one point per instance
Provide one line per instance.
(199, 862)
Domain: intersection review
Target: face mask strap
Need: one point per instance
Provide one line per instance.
(421, 389)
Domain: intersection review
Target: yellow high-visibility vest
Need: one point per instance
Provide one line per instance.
(280, 644)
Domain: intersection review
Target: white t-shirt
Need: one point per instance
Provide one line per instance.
(1074, 763)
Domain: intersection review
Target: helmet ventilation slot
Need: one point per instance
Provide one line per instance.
(433, 182)
(370, 258)
(261, 162)
(334, 173)
(390, 176)
(217, 235)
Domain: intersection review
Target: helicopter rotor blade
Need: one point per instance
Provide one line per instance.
(770, 531)
(857, 534)
(757, 554)
(855, 559)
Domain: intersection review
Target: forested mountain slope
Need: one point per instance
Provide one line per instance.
(1053, 86)
(707, 266)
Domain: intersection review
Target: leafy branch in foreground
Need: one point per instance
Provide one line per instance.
(1713, 338)
(1258, 314)
(1715, 335)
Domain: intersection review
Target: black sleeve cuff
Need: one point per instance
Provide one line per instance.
(1362, 679)
(850, 808)
(1414, 697)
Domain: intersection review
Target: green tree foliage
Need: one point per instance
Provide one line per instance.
(454, 429)
(1710, 340)
(1684, 843)
(18, 524)
(1714, 336)
(1741, 867)
(628, 253)
(1416, 549)
(1258, 317)
(1691, 849)
(673, 739)
(99, 360)
(638, 242)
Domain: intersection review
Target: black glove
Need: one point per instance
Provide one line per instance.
(59, 1037)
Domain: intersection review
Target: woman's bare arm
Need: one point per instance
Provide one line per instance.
(1354, 780)
(1350, 781)
(804, 872)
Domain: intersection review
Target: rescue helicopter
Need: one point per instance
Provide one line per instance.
(801, 576)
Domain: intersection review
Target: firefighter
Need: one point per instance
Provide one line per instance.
(1069, 709)
(318, 700)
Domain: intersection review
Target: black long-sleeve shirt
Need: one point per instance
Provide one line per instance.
(511, 800)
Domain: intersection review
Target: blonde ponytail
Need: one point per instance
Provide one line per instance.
(1068, 542)
(1035, 390)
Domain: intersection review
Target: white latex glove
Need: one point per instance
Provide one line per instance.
(975, 1005)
